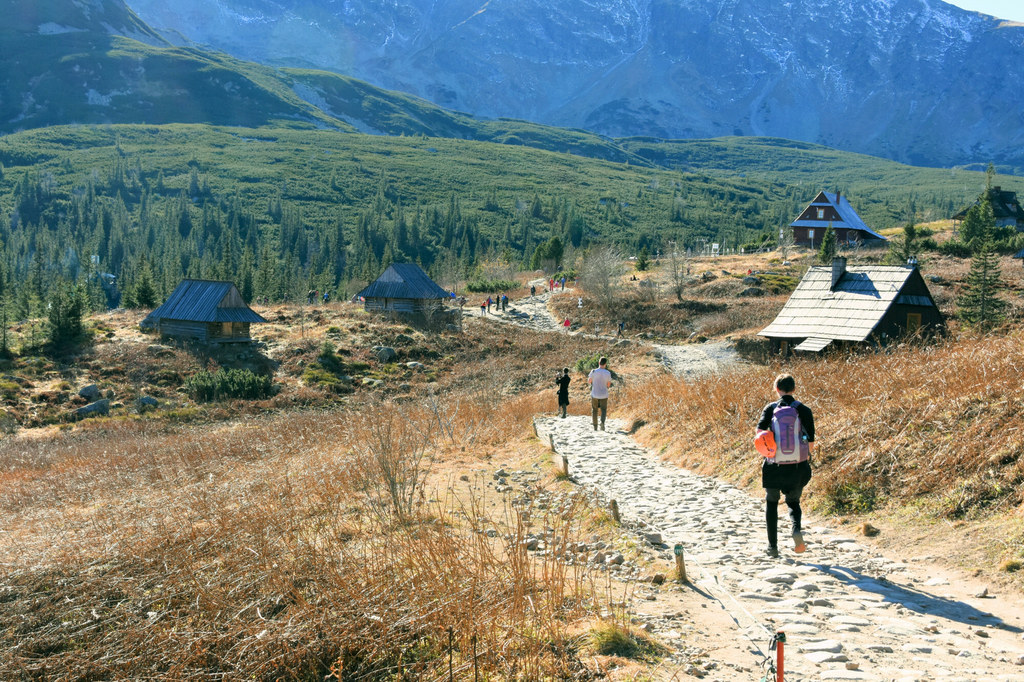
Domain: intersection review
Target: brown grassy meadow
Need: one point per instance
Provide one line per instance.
(357, 535)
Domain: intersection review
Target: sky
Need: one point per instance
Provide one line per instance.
(1004, 9)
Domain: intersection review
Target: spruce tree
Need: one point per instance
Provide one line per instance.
(65, 310)
(643, 260)
(144, 290)
(979, 304)
(828, 246)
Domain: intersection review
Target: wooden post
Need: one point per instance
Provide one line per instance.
(536, 435)
(551, 439)
(561, 463)
(680, 564)
(615, 512)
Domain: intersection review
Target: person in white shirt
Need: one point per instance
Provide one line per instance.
(600, 380)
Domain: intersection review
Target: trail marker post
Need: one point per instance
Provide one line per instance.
(779, 644)
(615, 512)
(680, 563)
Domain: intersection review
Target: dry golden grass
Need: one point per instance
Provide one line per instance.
(942, 421)
(270, 548)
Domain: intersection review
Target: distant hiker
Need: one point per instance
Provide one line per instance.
(504, 302)
(533, 290)
(327, 297)
(483, 307)
(551, 285)
(309, 296)
(622, 327)
(489, 302)
(562, 380)
(566, 324)
(600, 380)
(787, 467)
(563, 283)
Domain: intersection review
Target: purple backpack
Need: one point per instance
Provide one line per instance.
(791, 444)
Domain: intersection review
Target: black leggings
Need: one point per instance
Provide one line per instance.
(771, 511)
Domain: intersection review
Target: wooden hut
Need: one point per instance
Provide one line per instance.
(205, 311)
(1006, 209)
(855, 305)
(831, 210)
(404, 288)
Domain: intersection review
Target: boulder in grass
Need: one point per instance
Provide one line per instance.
(384, 353)
(90, 392)
(97, 409)
(147, 403)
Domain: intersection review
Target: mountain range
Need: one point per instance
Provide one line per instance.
(918, 81)
(96, 62)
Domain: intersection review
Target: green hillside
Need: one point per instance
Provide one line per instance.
(881, 190)
(280, 209)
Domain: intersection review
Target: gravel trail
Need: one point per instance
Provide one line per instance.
(690, 360)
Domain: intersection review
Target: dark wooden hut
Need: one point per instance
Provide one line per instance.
(404, 288)
(205, 311)
(833, 210)
(1006, 209)
(855, 305)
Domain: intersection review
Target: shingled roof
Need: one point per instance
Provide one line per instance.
(404, 280)
(848, 217)
(201, 300)
(849, 310)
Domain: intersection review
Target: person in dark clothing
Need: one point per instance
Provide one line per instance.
(785, 479)
(562, 380)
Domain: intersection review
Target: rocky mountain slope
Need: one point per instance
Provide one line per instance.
(96, 62)
(918, 81)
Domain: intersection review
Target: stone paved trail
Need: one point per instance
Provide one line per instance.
(848, 612)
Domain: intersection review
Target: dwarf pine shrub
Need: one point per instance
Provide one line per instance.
(227, 384)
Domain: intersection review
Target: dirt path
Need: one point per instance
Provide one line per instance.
(849, 613)
(694, 360)
(691, 360)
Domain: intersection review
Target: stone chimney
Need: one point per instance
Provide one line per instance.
(838, 270)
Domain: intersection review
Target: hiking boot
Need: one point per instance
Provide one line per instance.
(602, 426)
(772, 551)
(798, 542)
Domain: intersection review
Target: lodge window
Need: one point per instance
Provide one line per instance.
(913, 322)
(821, 214)
(810, 236)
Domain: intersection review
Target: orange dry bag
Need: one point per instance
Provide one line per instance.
(764, 441)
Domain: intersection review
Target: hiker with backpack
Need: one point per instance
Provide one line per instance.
(562, 380)
(785, 438)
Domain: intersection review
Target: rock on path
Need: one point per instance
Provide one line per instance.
(849, 613)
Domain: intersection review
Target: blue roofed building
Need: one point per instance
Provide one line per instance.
(404, 288)
(833, 210)
(207, 311)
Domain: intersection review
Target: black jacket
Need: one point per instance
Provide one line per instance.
(563, 389)
(786, 476)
